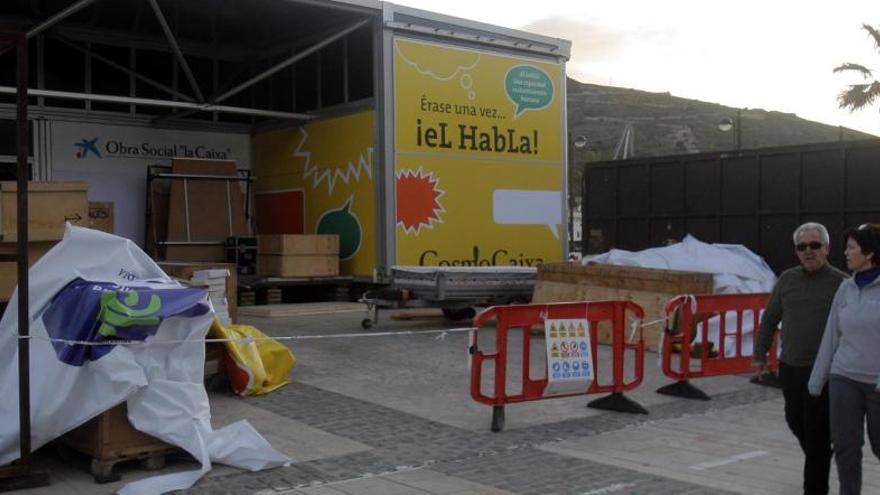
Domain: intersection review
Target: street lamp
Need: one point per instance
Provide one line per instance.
(578, 142)
(726, 124)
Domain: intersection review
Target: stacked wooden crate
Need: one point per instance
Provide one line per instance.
(298, 255)
(209, 278)
(214, 281)
(648, 287)
(101, 216)
(50, 205)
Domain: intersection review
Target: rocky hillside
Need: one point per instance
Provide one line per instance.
(667, 125)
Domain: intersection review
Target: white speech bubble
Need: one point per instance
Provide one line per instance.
(528, 207)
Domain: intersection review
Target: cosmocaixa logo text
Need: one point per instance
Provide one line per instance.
(117, 148)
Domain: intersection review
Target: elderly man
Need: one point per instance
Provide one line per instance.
(801, 300)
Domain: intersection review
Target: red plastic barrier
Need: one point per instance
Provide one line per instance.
(526, 317)
(682, 359)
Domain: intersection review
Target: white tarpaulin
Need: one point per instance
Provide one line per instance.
(735, 269)
(98, 287)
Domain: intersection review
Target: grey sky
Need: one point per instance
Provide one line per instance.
(770, 54)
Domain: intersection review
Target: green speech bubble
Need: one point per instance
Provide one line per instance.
(528, 87)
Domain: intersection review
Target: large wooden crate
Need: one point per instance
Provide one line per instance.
(306, 265)
(50, 205)
(9, 269)
(298, 255)
(648, 287)
(110, 436)
(289, 245)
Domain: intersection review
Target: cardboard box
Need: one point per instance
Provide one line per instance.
(306, 265)
(648, 287)
(185, 270)
(9, 269)
(101, 216)
(298, 244)
(50, 205)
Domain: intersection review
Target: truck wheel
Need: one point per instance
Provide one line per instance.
(456, 314)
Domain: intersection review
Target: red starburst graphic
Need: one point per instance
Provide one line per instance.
(418, 200)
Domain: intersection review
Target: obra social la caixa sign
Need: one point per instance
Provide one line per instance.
(479, 156)
(74, 142)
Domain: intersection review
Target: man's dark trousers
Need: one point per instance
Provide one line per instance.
(807, 417)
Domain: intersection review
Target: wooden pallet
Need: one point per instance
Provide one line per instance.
(109, 439)
(648, 287)
(302, 309)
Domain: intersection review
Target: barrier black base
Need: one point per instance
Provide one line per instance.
(683, 389)
(768, 379)
(497, 418)
(618, 402)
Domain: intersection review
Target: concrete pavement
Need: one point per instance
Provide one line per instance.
(392, 414)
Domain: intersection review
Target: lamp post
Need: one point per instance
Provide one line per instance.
(578, 142)
(726, 124)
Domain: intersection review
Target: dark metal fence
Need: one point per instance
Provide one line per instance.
(751, 197)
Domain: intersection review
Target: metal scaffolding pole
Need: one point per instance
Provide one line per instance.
(308, 51)
(176, 48)
(202, 107)
(22, 474)
(60, 16)
(124, 69)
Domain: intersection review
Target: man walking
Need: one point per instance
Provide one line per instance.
(801, 300)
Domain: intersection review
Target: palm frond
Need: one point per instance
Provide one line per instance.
(874, 32)
(849, 66)
(859, 96)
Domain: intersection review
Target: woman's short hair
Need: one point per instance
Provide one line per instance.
(818, 227)
(867, 235)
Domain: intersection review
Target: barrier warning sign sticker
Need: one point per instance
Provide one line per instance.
(569, 356)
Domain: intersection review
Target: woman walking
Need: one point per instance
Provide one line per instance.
(848, 358)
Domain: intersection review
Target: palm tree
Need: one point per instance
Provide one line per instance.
(859, 96)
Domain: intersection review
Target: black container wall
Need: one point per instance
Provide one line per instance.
(755, 198)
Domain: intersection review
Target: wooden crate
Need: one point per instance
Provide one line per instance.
(101, 216)
(306, 265)
(50, 205)
(184, 270)
(9, 269)
(216, 210)
(110, 436)
(298, 244)
(648, 287)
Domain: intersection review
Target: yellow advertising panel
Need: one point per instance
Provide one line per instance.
(478, 157)
(318, 179)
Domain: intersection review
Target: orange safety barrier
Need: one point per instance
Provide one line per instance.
(526, 317)
(682, 359)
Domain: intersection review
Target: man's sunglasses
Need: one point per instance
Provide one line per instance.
(815, 245)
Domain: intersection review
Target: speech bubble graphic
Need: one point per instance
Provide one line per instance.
(528, 87)
(528, 207)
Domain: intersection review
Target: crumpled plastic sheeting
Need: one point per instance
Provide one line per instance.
(161, 383)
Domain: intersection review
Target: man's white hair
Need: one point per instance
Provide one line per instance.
(818, 227)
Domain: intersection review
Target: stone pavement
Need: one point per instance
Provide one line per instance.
(393, 415)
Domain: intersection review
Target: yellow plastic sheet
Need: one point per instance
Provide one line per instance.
(257, 367)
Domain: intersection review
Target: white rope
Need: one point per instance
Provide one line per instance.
(248, 339)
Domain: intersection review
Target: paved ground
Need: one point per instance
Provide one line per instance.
(392, 415)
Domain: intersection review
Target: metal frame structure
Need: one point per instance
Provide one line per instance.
(155, 172)
(22, 474)
(256, 82)
(181, 102)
